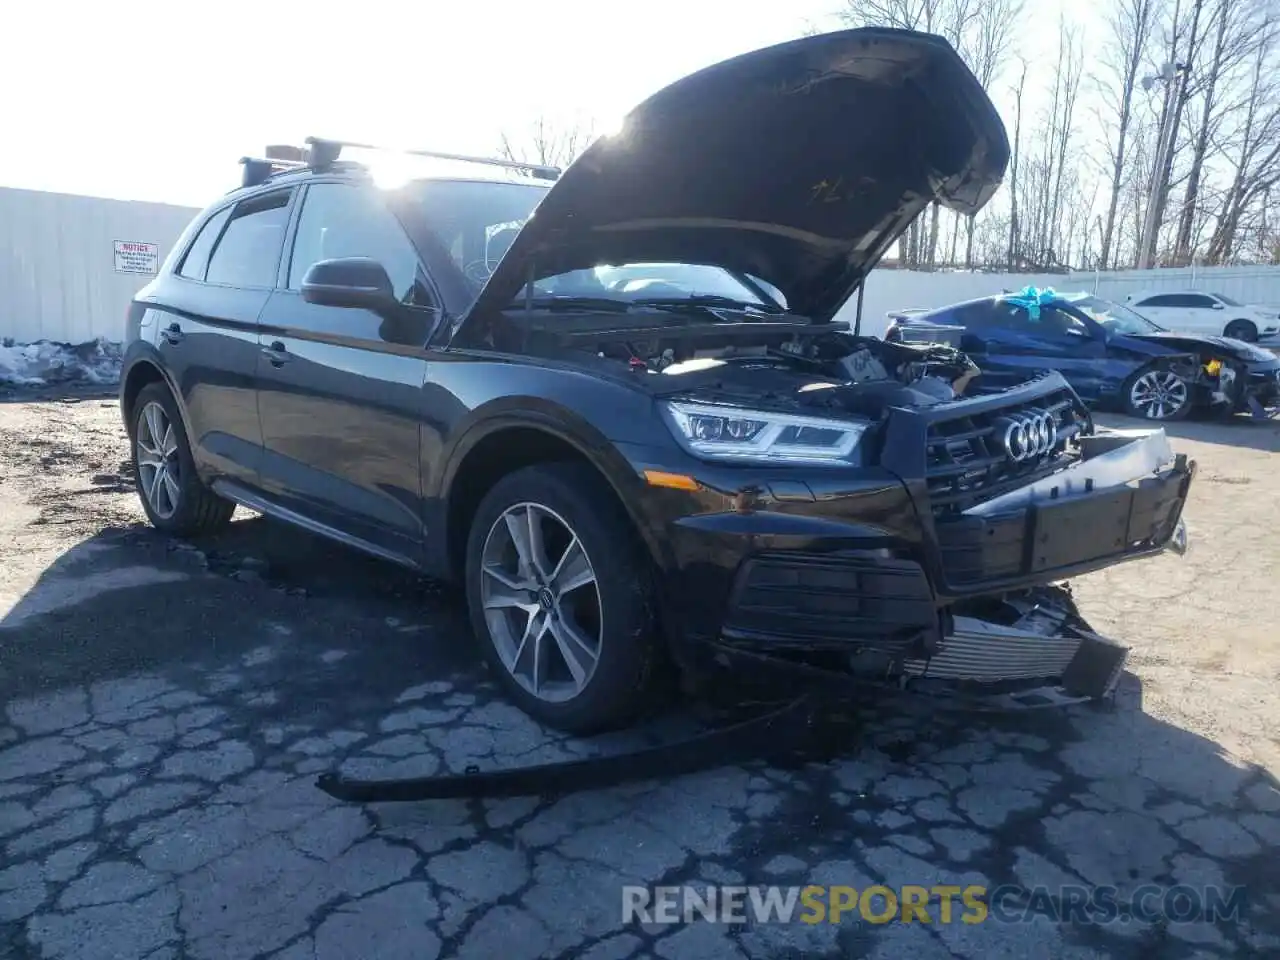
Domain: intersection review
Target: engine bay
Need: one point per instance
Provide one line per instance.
(790, 364)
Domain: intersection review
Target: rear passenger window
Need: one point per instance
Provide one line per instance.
(249, 251)
(196, 262)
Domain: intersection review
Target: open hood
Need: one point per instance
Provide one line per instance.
(799, 164)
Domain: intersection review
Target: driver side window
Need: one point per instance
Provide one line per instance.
(1061, 322)
(339, 220)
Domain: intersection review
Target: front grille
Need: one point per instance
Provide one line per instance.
(966, 462)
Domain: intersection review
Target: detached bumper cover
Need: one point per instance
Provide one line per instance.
(1116, 504)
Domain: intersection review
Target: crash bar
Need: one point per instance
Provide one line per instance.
(324, 152)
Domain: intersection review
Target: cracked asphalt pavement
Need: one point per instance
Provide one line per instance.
(167, 707)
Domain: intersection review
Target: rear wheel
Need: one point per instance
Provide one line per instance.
(173, 497)
(561, 598)
(1245, 330)
(1154, 394)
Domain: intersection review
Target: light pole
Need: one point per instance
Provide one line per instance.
(1174, 74)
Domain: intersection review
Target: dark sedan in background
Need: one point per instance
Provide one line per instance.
(1112, 356)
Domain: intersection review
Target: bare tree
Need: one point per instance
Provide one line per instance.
(1184, 39)
(1231, 26)
(1014, 237)
(547, 142)
(1067, 87)
(1128, 34)
(1255, 149)
(994, 28)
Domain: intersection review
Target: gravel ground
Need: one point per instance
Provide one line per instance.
(167, 707)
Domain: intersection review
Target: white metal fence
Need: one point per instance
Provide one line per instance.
(62, 277)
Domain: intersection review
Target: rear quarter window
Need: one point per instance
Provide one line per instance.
(248, 252)
(196, 260)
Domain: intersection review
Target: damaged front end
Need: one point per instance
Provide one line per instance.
(1001, 535)
(1234, 387)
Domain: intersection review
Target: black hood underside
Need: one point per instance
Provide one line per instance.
(799, 164)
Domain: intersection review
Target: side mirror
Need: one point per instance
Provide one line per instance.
(1218, 306)
(349, 282)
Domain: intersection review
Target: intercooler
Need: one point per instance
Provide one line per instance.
(989, 653)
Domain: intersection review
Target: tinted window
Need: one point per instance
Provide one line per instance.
(196, 261)
(1012, 316)
(249, 251)
(1061, 322)
(345, 221)
(975, 316)
(476, 221)
(1114, 316)
(1177, 300)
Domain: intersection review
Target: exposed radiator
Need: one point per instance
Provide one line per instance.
(987, 652)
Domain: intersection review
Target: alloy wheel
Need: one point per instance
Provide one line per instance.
(543, 614)
(1158, 394)
(158, 467)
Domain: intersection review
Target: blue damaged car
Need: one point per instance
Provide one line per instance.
(1112, 356)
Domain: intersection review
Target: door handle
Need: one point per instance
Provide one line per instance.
(276, 353)
(172, 333)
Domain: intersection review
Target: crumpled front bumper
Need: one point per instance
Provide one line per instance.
(1123, 500)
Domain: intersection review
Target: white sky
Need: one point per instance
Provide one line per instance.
(152, 100)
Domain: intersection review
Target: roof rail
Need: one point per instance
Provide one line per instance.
(260, 169)
(325, 152)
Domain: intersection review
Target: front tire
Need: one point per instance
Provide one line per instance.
(173, 497)
(1245, 330)
(1155, 394)
(561, 599)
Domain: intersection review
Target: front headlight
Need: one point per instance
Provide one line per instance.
(734, 433)
(1258, 354)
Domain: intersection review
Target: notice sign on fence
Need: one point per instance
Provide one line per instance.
(135, 257)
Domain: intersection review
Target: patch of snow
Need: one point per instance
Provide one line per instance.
(45, 363)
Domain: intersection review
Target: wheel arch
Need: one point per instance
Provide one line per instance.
(1249, 321)
(143, 368)
(508, 441)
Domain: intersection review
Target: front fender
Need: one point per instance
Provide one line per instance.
(559, 423)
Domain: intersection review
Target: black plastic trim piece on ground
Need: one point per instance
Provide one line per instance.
(779, 729)
(784, 730)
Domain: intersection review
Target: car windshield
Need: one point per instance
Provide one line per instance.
(475, 220)
(661, 283)
(478, 220)
(1228, 301)
(1115, 317)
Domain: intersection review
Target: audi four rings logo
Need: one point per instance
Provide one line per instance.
(1028, 436)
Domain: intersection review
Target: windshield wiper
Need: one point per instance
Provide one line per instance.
(707, 301)
(551, 302)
